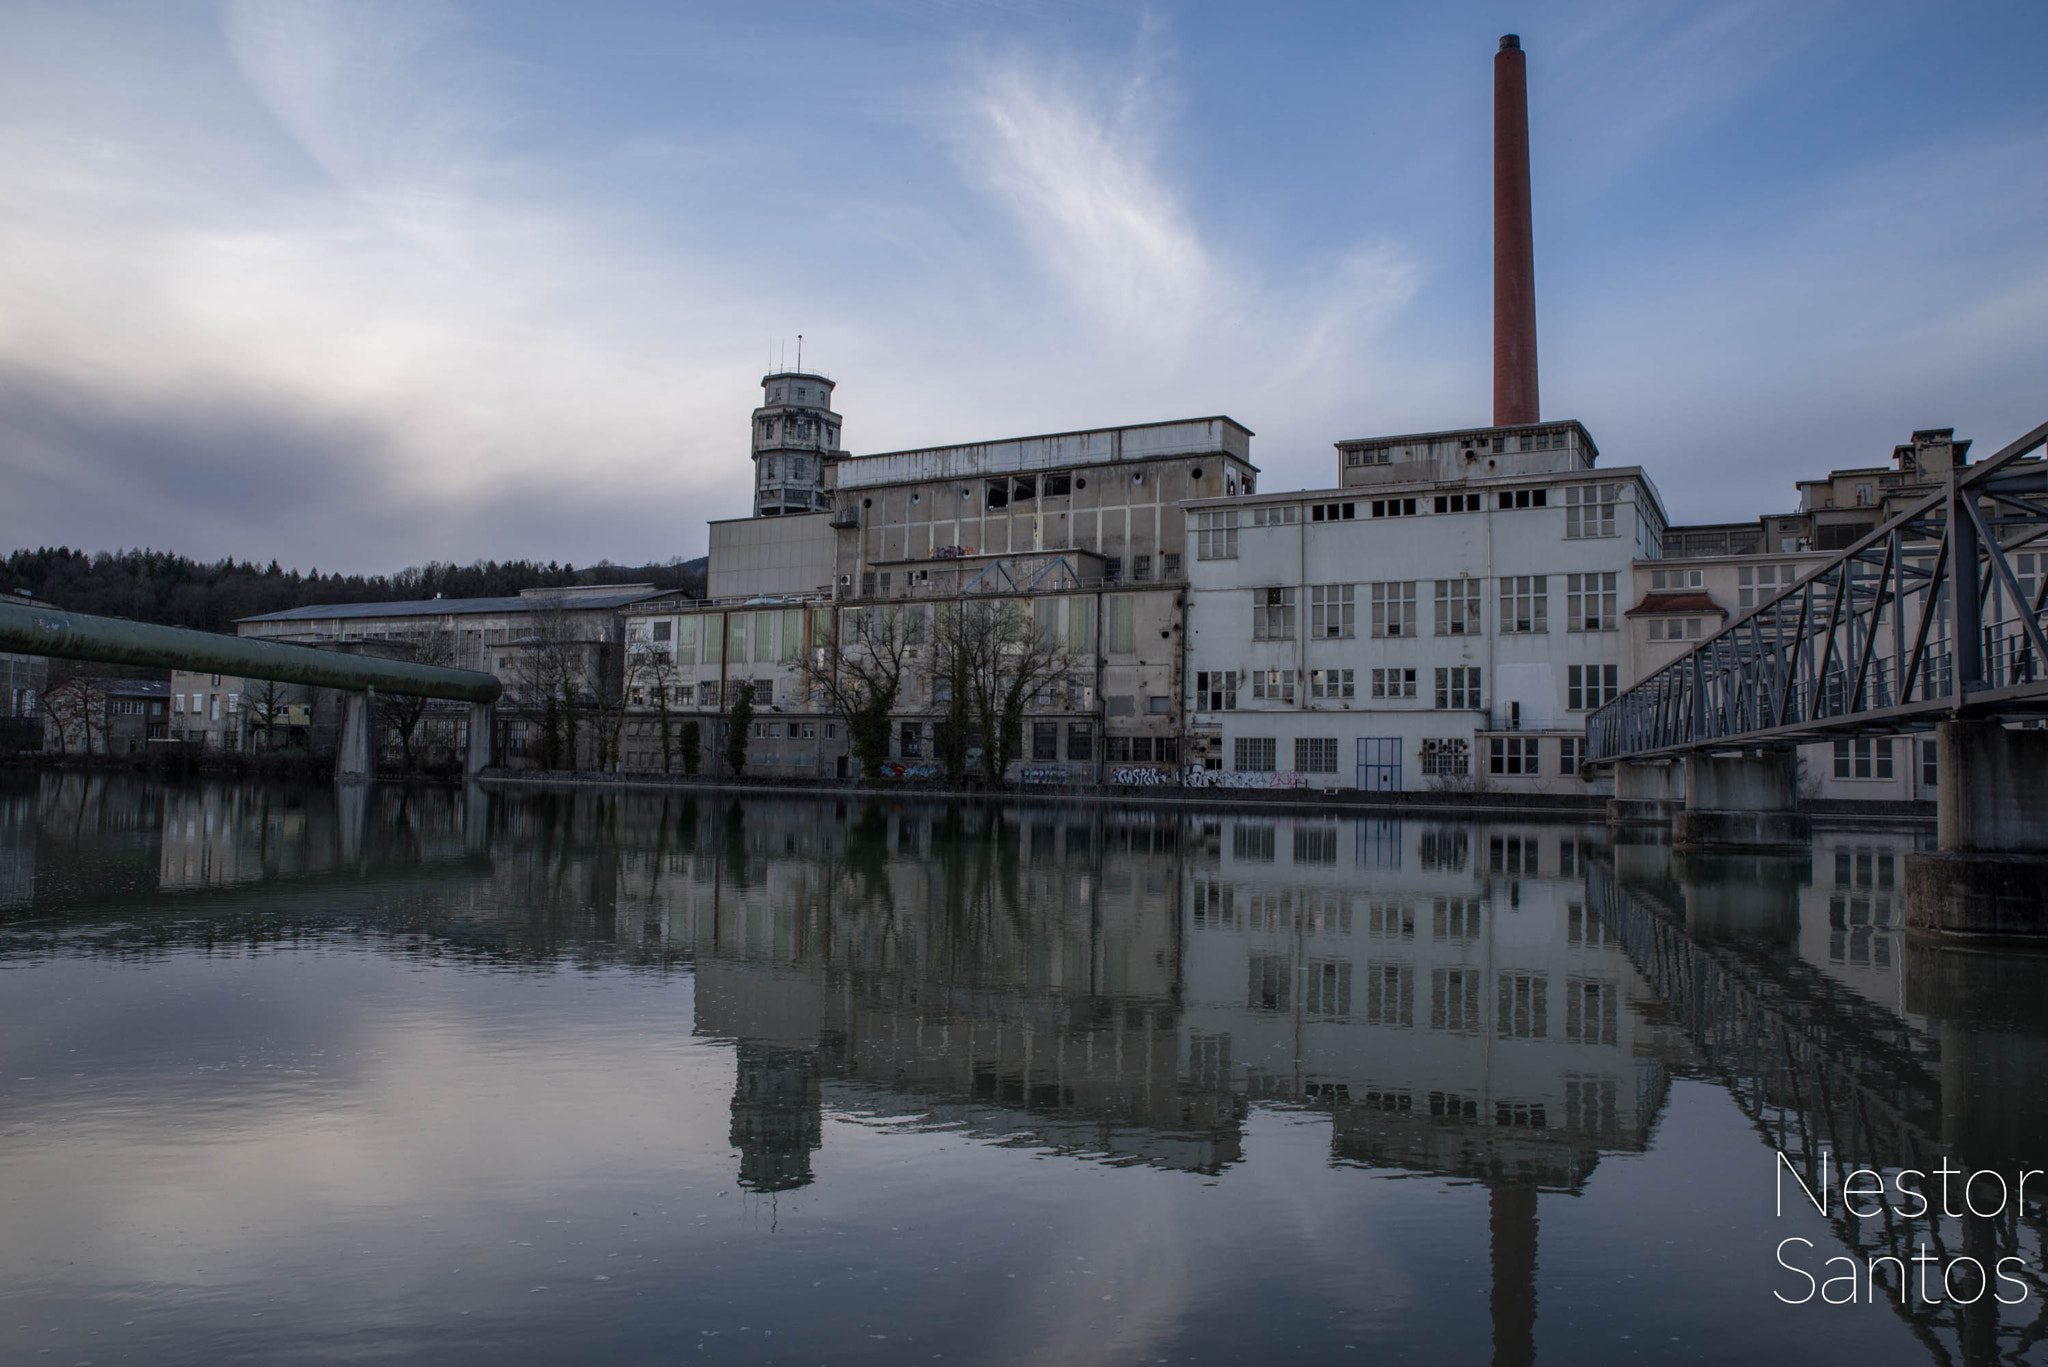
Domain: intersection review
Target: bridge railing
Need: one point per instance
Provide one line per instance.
(1939, 612)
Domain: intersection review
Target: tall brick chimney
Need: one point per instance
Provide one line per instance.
(1514, 247)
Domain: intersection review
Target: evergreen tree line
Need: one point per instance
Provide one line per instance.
(173, 590)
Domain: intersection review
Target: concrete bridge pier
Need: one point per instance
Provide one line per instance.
(1647, 792)
(1741, 801)
(1988, 876)
(356, 759)
(479, 754)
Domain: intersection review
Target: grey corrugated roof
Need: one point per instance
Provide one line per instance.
(437, 607)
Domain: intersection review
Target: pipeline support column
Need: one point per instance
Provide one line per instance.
(356, 760)
(483, 732)
(1989, 876)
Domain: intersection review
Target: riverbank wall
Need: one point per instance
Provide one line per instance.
(1347, 802)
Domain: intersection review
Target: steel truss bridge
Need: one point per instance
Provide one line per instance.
(1937, 614)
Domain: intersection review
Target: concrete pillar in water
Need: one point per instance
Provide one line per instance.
(480, 753)
(1990, 875)
(352, 819)
(1741, 801)
(356, 760)
(1647, 791)
(476, 819)
(1993, 1026)
(1512, 1223)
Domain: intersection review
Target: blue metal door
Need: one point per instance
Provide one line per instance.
(1379, 764)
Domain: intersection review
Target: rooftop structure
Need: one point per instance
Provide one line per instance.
(796, 439)
(1053, 451)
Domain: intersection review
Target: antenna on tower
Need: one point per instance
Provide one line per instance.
(799, 351)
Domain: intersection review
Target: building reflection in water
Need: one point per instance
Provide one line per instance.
(1499, 1004)
(1126, 986)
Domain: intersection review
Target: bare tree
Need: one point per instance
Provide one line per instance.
(648, 679)
(403, 712)
(549, 680)
(1003, 658)
(74, 705)
(659, 675)
(270, 701)
(859, 672)
(611, 666)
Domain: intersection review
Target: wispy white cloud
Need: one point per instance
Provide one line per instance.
(327, 286)
(1077, 160)
(1668, 64)
(483, 364)
(385, 98)
(1079, 176)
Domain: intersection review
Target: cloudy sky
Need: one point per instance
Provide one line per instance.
(358, 285)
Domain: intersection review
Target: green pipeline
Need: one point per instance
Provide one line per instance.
(36, 629)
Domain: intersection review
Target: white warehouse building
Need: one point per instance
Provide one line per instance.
(1310, 664)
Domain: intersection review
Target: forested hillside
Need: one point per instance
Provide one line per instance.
(158, 586)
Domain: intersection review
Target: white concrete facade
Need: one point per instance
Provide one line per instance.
(1452, 628)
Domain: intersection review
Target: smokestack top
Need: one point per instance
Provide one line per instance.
(1514, 248)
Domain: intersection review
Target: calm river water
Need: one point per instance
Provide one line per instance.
(631, 1078)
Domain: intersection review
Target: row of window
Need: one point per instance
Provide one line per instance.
(1590, 603)
(795, 730)
(1044, 744)
(1871, 757)
(1447, 757)
(1457, 686)
(1326, 988)
(1026, 488)
(1754, 583)
(1217, 905)
(1589, 512)
(1555, 440)
(703, 695)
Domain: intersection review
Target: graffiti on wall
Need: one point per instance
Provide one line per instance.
(1231, 778)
